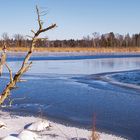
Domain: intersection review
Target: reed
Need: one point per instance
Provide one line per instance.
(81, 49)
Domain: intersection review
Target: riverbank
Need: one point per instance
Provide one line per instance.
(15, 124)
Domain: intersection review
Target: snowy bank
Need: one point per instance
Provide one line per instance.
(19, 128)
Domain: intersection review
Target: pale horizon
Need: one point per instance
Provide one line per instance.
(74, 19)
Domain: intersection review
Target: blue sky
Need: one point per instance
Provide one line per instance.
(75, 18)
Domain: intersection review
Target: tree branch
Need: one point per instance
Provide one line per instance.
(33, 31)
(29, 36)
(10, 72)
(45, 29)
(39, 21)
(25, 65)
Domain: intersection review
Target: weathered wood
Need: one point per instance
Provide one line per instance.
(10, 72)
(3, 58)
(25, 64)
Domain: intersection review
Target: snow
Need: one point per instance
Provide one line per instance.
(33, 128)
(28, 135)
(10, 138)
(39, 125)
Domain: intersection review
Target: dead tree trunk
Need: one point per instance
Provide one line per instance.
(26, 64)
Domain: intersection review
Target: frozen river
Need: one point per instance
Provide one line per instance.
(66, 91)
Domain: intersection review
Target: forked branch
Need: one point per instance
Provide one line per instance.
(25, 65)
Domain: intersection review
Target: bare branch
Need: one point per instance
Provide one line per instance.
(25, 65)
(49, 28)
(11, 101)
(43, 14)
(33, 31)
(30, 36)
(10, 72)
(39, 21)
(46, 29)
(22, 80)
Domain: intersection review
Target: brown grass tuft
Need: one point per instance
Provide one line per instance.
(94, 135)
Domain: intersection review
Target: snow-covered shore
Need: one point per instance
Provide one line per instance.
(16, 124)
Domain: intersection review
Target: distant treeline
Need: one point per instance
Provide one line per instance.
(96, 40)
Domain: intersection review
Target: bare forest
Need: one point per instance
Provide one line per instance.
(95, 40)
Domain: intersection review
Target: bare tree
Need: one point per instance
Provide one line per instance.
(19, 40)
(95, 39)
(5, 39)
(5, 36)
(26, 64)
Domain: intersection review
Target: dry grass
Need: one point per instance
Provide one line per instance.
(95, 135)
(80, 49)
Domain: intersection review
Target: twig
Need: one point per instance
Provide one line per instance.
(11, 101)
